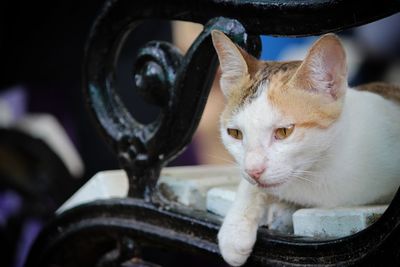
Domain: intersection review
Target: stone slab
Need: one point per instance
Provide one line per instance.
(220, 199)
(189, 185)
(335, 222)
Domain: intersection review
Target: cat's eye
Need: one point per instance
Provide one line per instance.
(284, 132)
(235, 133)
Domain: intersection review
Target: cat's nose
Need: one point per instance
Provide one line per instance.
(255, 173)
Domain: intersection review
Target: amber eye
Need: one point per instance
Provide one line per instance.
(235, 133)
(282, 133)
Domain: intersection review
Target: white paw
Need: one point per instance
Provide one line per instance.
(236, 241)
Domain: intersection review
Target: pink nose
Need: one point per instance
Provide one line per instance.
(255, 173)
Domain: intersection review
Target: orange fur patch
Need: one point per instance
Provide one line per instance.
(313, 95)
(306, 108)
(388, 91)
(259, 71)
(290, 96)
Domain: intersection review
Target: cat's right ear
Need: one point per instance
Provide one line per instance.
(233, 65)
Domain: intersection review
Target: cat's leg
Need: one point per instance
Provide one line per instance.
(238, 232)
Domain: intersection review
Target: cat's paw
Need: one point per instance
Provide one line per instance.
(236, 241)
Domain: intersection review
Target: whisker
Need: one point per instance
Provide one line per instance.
(309, 175)
(312, 161)
(302, 178)
(304, 172)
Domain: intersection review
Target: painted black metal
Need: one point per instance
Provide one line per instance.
(102, 226)
(178, 85)
(94, 234)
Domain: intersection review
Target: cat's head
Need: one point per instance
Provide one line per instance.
(278, 118)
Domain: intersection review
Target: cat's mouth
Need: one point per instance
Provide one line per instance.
(263, 184)
(269, 185)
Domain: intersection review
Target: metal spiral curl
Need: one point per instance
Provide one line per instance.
(155, 70)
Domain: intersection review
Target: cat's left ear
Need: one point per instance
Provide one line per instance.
(233, 60)
(324, 70)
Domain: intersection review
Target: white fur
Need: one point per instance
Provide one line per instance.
(355, 161)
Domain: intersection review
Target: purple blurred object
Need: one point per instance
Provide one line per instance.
(29, 233)
(10, 204)
(16, 98)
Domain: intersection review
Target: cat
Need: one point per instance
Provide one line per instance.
(300, 135)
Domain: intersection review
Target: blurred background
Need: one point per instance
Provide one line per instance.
(49, 146)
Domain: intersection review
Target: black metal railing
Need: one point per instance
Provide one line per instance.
(111, 232)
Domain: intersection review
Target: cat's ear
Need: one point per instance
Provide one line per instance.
(232, 61)
(324, 70)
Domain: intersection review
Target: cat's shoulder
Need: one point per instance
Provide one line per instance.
(386, 90)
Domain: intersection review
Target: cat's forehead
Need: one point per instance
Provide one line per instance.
(266, 72)
(251, 96)
(271, 70)
(258, 113)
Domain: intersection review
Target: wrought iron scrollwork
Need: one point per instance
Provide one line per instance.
(179, 85)
(155, 70)
(171, 81)
(110, 233)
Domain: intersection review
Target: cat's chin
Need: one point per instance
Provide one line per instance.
(270, 185)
